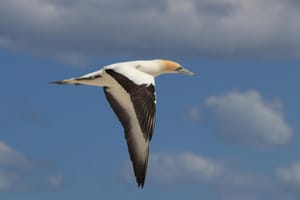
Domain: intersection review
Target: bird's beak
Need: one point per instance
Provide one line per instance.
(182, 70)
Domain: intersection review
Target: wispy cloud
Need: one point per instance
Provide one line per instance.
(180, 168)
(18, 172)
(290, 175)
(11, 157)
(192, 113)
(190, 168)
(9, 180)
(76, 30)
(56, 181)
(230, 182)
(187, 168)
(247, 118)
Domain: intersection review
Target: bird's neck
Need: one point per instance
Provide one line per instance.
(152, 68)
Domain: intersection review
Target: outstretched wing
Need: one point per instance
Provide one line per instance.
(134, 104)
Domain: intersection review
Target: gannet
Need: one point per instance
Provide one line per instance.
(129, 89)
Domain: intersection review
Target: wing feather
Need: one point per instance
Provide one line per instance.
(134, 105)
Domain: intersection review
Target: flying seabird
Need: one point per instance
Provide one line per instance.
(129, 89)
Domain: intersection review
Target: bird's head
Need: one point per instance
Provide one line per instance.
(171, 67)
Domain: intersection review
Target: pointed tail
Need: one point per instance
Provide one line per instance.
(66, 82)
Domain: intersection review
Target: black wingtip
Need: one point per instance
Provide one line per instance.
(140, 179)
(141, 182)
(141, 175)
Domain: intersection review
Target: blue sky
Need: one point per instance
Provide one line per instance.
(230, 132)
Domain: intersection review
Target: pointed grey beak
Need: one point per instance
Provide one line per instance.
(182, 70)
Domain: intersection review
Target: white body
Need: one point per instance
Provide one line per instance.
(129, 88)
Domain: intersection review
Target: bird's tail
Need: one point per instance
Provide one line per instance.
(71, 81)
(94, 79)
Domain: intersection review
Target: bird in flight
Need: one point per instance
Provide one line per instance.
(129, 89)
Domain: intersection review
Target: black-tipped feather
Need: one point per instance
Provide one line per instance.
(139, 165)
(143, 100)
(58, 82)
(64, 83)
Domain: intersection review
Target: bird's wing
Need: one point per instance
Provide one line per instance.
(134, 104)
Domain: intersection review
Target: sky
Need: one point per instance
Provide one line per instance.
(229, 132)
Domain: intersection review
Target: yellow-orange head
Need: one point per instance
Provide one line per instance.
(168, 66)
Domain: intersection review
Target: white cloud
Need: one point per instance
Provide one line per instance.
(187, 167)
(18, 172)
(8, 180)
(247, 118)
(192, 113)
(56, 181)
(290, 175)
(229, 182)
(9, 156)
(229, 28)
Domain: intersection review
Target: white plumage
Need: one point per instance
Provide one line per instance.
(129, 89)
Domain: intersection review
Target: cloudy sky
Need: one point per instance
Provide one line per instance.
(230, 132)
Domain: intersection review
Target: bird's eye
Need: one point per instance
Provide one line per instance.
(179, 68)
